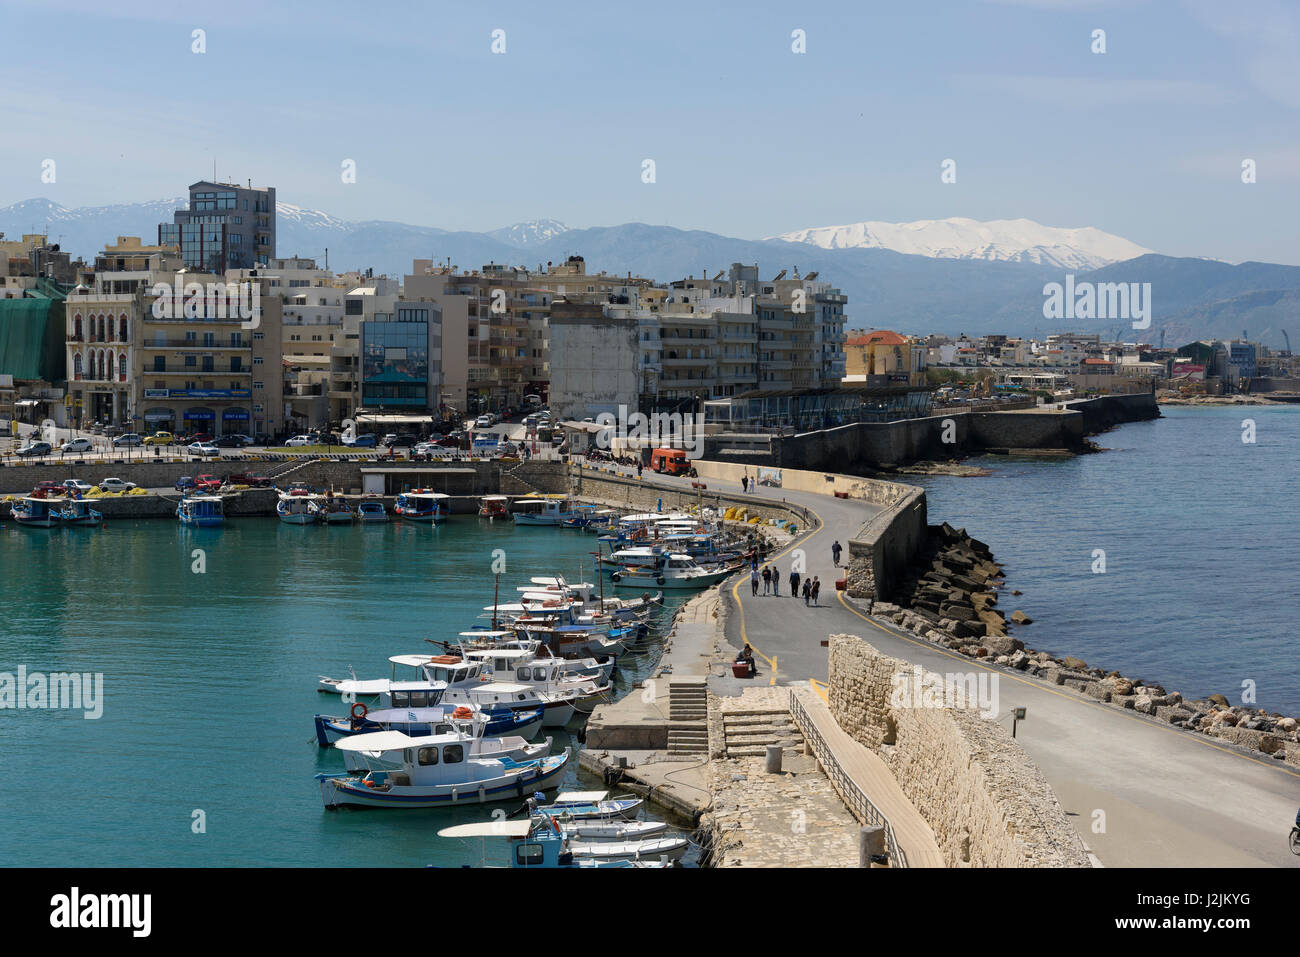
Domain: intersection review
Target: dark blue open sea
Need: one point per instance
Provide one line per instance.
(210, 683)
(1201, 534)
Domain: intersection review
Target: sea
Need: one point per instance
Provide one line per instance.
(210, 643)
(1167, 557)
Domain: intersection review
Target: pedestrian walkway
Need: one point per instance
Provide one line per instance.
(857, 772)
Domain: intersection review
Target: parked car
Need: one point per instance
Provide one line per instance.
(185, 483)
(208, 483)
(34, 448)
(228, 442)
(46, 489)
(250, 478)
(202, 448)
(159, 438)
(361, 442)
(299, 440)
(77, 485)
(127, 440)
(483, 422)
(111, 484)
(200, 437)
(77, 445)
(401, 442)
(243, 439)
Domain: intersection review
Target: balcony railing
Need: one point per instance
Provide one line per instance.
(173, 369)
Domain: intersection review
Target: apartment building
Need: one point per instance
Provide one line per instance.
(156, 346)
(226, 226)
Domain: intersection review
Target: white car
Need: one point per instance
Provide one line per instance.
(77, 485)
(77, 445)
(300, 440)
(116, 485)
(483, 422)
(202, 448)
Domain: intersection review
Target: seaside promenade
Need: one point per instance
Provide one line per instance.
(1140, 792)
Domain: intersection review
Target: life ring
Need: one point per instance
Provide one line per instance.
(462, 712)
(359, 715)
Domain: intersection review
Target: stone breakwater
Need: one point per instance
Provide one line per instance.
(953, 600)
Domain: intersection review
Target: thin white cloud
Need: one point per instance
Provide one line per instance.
(1267, 34)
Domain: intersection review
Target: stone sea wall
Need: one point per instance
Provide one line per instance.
(985, 800)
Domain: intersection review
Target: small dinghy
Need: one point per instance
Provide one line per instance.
(587, 805)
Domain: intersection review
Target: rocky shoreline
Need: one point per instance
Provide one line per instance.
(1217, 400)
(953, 602)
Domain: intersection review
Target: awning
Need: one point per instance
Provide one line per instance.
(387, 418)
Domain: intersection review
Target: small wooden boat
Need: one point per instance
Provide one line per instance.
(368, 512)
(535, 846)
(331, 511)
(439, 770)
(37, 512)
(549, 510)
(588, 805)
(296, 509)
(422, 505)
(494, 506)
(655, 848)
(202, 511)
(615, 830)
(78, 514)
(418, 722)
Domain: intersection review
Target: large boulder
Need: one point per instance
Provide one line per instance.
(1119, 685)
(1003, 645)
(1074, 664)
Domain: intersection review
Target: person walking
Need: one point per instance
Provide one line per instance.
(816, 588)
(776, 580)
(835, 552)
(744, 483)
(807, 590)
(767, 580)
(794, 582)
(753, 580)
(638, 469)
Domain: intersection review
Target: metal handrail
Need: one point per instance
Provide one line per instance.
(859, 804)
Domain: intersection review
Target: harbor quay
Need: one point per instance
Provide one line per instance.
(1100, 770)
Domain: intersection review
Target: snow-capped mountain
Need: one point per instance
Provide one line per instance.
(531, 233)
(1008, 240)
(307, 218)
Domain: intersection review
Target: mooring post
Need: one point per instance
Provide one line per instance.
(773, 759)
(871, 843)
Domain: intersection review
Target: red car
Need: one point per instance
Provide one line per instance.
(208, 483)
(249, 478)
(48, 490)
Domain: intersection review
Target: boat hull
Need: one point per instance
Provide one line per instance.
(341, 790)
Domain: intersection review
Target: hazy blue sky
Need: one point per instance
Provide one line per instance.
(749, 138)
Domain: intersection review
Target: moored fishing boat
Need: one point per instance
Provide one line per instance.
(537, 846)
(37, 512)
(436, 771)
(587, 806)
(494, 506)
(541, 510)
(422, 505)
(296, 509)
(77, 513)
(201, 511)
(671, 571)
(372, 512)
(331, 510)
(418, 722)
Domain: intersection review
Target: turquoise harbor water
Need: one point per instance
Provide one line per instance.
(1201, 534)
(210, 682)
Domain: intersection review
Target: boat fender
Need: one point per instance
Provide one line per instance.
(617, 576)
(359, 711)
(659, 578)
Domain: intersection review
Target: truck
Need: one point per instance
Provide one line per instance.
(671, 462)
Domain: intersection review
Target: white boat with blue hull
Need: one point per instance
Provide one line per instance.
(201, 511)
(417, 722)
(541, 511)
(587, 806)
(77, 513)
(331, 510)
(372, 513)
(673, 570)
(37, 512)
(532, 846)
(297, 509)
(437, 771)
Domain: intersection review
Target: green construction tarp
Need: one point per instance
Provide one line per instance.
(32, 339)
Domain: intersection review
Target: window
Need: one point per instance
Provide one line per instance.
(529, 855)
(400, 699)
(419, 699)
(257, 385)
(521, 674)
(429, 756)
(453, 753)
(257, 360)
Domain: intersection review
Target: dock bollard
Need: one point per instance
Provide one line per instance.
(773, 765)
(871, 844)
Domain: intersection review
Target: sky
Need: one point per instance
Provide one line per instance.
(748, 137)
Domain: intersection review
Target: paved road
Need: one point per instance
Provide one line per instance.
(1169, 797)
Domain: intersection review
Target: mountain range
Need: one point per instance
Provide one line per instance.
(934, 276)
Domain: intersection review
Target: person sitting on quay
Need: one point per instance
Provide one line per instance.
(747, 656)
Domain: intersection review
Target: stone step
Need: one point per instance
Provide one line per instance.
(745, 740)
(755, 720)
(751, 712)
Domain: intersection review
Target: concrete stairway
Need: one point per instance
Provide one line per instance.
(748, 733)
(688, 710)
